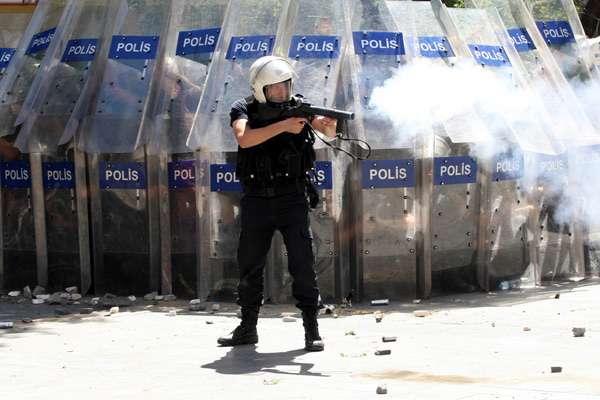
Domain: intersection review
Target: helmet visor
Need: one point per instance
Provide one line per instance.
(279, 92)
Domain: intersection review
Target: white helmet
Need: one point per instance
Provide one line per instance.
(269, 70)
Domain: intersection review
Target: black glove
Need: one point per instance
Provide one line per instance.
(313, 195)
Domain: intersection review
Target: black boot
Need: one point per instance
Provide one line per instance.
(245, 333)
(312, 339)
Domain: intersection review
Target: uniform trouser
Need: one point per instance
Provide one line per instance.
(261, 216)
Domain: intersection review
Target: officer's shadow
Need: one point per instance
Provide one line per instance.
(245, 360)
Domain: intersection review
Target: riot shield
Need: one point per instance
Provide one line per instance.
(12, 27)
(25, 62)
(250, 30)
(117, 110)
(560, 27)
(193, 34)
(113, 123)
(585, 162)
(383, 188)
(541, 71)
(17, 222)
(502, 251)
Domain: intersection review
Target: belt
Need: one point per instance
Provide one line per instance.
(272, 191)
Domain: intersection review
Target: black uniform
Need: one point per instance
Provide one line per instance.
(274, 179)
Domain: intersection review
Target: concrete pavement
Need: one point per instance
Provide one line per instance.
(472, 346)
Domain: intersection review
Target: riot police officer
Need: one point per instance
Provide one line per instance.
(275, 156)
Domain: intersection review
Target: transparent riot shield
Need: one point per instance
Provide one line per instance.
(26, 60)
(250, 30)
(18, 264)
(194, 30)
(541, 72)
(58, 171)
(314, 39)
(13, 26)
(539, 130)
(18, 258)
(559, 25)
(382, 188)
(113, 131)
(557, 233)
(585, 162)
(502, 254)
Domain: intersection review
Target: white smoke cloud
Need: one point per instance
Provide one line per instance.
(489, 109)
(474, 104)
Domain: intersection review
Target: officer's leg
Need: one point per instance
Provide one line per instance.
(295, 228)
(255, 241)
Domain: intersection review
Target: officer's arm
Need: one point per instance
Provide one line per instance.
(248, 137)
(325, 125)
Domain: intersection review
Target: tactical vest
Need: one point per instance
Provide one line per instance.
(283, 159)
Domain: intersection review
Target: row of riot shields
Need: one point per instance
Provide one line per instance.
(559, 26)
(549, 40)
(124, 179)
(496, 201)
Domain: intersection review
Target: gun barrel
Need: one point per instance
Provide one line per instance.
(331, 112)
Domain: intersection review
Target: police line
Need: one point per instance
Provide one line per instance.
(377, 174)
(219, 177)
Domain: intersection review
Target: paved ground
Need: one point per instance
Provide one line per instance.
(471, 347)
